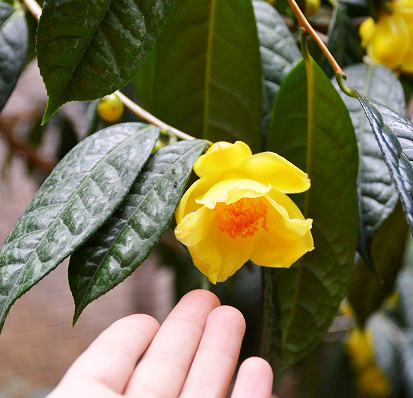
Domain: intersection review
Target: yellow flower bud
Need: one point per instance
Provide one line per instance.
(390, 41)
(366, 31)
(110, 108)
(238, 210)
(312, 7)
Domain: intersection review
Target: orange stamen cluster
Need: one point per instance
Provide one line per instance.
(242, 218)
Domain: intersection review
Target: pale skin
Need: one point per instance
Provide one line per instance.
(194, 353)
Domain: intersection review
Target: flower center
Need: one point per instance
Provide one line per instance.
(242, 218)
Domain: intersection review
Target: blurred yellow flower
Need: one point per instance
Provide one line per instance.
(360, 348)
(372, 382)
(238, 210)
(390, 40)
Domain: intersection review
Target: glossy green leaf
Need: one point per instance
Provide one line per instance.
(127, 238)
(81, 193)
(13, 49)
(376, 192)
(394, 134)
(365, 292)
(88, 49)
(343, 40)
(311, 127)
(208, 71)
(279, 51)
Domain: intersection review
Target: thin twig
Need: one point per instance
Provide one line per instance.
(309, 29)
(143, 114)
(36, 10)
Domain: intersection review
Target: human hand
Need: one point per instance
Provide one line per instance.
(193, 354)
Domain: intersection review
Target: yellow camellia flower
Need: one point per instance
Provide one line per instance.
(390, 40)
(387, 41)
(405, 9)
(372, 382)
(359, 346)
(238, 210)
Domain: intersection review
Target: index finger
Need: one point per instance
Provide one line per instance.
(111, 358)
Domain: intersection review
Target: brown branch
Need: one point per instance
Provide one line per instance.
(302, 20)
(21, 148)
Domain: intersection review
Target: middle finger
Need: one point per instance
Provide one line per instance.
(164, 367)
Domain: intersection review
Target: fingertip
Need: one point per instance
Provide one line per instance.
(257, 366)
(230, 317)
(201, 295)
(255, 378)
(136, 320)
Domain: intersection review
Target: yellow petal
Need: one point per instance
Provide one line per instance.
(221, 157)
(288, 236)
(220, 256)
(232, 190)
(273, 169)
(195, 226)
(407, 64)
(366, 31)
(196, 190)
(390, 41)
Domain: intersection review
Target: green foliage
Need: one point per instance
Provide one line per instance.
(13, 49)
(366, 293)
(343, 40)
(127, 238)
(207, 71)
(376, 192)
(279, 52)
(87, 50)
(81, 193)
(308, 294)
(394, 135)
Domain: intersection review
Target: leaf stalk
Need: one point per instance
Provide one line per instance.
(302, 20)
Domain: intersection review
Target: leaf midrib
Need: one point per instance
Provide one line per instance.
(100, 264)
(4, 311)
(368, 78)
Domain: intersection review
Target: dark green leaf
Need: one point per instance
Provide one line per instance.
(36, 134)
(343, 40)
(208, 71)
(13, 49)
(394, 134)
(143, 82)
(68, 138)
(81, 193)
(128, 237)
(88, 49)
(377, 194)
(311, 127)
(279, 51)
(365, 292)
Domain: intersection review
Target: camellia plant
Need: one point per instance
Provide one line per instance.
(305, 169)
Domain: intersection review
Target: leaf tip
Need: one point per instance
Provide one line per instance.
(51, 109)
